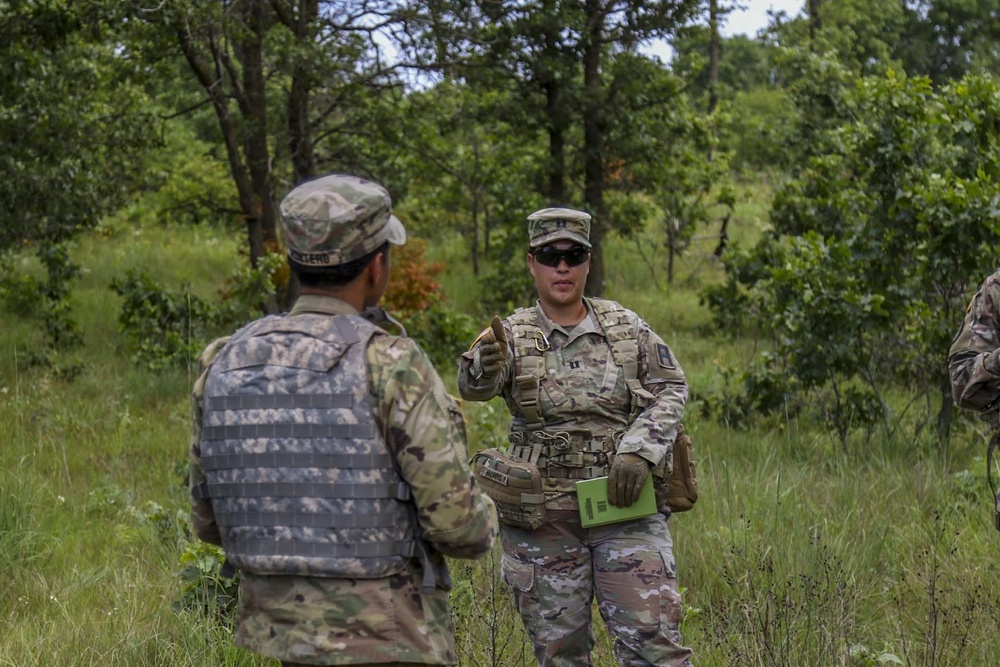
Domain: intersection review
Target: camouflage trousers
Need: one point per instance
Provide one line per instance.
(556, 571)
(384, 664)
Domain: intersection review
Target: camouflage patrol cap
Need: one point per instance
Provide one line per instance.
(336, 219)
(552, 224)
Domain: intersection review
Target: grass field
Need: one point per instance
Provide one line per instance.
(799, 552)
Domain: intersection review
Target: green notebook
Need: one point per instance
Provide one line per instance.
(596, 510)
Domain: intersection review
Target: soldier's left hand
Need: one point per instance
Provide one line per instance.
(626, 478)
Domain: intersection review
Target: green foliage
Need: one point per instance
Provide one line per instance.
(505, 286)
(171, 327)
(20, 540)
(878, 241)
(161, 327)
(204, 587)
(71, 122)
(442, 332)
(244, 293)
(758, 129)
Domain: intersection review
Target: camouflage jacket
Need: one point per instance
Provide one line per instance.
(326, 621)
(583, 387)
(974, 370)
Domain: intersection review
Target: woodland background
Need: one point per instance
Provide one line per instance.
(803, 215)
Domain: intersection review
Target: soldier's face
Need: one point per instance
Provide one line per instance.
(560, 285)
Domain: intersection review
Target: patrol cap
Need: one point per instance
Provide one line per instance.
(552, 224)
(337, 219)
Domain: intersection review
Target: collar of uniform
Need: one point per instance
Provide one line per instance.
(587, 325)
(324, 305)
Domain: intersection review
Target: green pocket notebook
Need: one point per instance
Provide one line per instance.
(596, 510)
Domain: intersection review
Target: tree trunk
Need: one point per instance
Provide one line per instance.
(211, 83)
(815, 23)
(258, 154)
(671, 249)
(300, 140)
(946, 414)
(713, 56)
(593, 145)
(557, 144)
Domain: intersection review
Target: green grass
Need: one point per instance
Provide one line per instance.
(800, 550)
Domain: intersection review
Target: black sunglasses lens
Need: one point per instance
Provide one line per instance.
(549, 256)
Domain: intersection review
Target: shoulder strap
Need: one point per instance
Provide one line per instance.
(622, 333)
(530, 345)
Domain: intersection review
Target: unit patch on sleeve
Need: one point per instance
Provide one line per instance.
(664, 357)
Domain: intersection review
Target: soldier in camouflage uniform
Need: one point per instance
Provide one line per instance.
(328, 459)
(974, 358)
(592, 391)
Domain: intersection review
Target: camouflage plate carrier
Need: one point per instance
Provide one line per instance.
(301, 481)
(565, 455)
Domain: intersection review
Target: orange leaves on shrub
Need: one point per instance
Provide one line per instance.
(412, 284)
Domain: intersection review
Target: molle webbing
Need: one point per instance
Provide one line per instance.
(280, 401)
(292, 430)
(530, 345)
(244, 518)
(296, 460)
(366, 491)
(564, 454)
(326, 549)
(621, 332)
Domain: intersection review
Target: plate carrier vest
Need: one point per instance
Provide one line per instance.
(300, 479)
(564, 453)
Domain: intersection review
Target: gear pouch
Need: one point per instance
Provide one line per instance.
(515, 487)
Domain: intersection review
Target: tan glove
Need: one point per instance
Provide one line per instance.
(493, 350)
(992, 362)
(626, 478)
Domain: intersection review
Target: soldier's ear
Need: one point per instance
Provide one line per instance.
(377, 270)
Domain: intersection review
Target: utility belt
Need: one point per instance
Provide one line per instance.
(564, 455)
(537, 462)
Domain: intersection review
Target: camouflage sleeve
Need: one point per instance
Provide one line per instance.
(652, 434)
(202, 516)
(972, 360)
(471, 383)
(425, 429)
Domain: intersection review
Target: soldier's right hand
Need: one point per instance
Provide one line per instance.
(493, 351)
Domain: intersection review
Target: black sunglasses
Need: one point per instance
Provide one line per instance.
(549, 255)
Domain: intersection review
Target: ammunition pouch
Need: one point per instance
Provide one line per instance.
(678, 491)
(515, 487)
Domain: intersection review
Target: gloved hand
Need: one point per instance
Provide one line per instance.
(493, 350)
(992, 362)
(626, 478)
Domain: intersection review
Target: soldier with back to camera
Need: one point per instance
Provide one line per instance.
(328, 459)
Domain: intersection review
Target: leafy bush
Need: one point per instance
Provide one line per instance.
(161, 327)
(412, 286)
(164, 327)
(442, 333)
(877, 243)
(204, 587)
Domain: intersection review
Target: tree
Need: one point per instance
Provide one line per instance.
(289, 83)
(470, 169)
(879, 241)
(945, 39)
(73, 125)
(670, 169)
(557, 53)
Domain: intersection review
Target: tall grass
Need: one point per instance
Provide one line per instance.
(799, 552)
